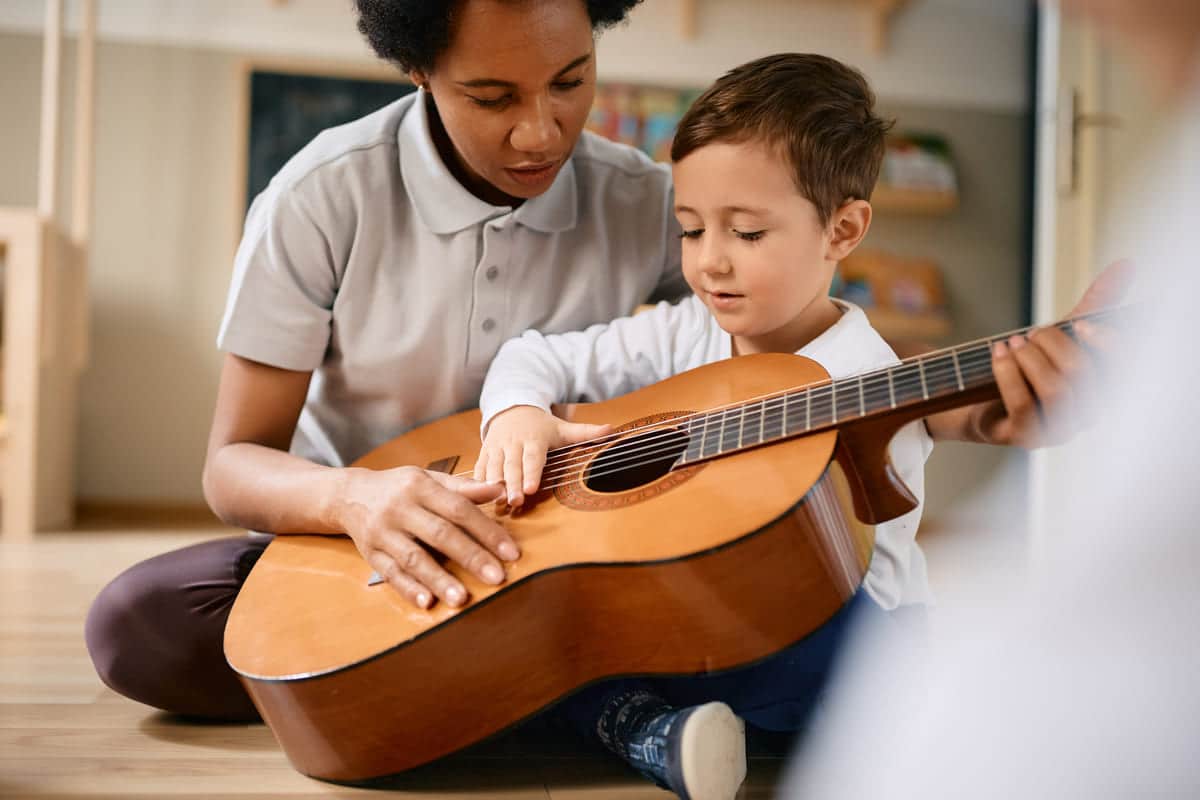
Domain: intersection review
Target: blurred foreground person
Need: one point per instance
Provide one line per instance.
(1081, 680)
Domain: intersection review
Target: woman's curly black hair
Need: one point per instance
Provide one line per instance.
(413, 33)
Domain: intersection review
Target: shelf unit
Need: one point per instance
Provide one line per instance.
(45, 309)
(45, 313)
(878, 14)
(913, 201)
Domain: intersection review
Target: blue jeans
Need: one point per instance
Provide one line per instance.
(779, 693)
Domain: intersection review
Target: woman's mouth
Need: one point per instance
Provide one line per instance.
(532, 174)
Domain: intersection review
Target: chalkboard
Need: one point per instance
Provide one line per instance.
(287, 110)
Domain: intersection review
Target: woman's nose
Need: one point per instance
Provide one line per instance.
(537, 130)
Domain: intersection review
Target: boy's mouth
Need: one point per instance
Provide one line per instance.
(724, 299)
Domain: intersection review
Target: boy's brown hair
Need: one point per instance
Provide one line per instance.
(817, 112)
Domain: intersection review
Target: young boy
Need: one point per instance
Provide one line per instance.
(773, 169)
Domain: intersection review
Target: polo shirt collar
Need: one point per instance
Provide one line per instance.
(446, 206)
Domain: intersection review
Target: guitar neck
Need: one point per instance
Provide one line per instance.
(916, 387)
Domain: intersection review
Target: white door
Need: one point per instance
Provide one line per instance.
(1091, 116)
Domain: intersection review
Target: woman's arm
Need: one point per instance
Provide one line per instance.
(250, 480)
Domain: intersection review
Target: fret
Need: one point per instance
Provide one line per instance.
(921, 371)
(833, 402)
(891, 387)
(822, 408)
(752, 425)
(940, 375)
(977, 364)
(808, 410)
(877, 390)
(741, 426)
(845, 403)
(957, 370)
(862, 400)
(730, 432)
(772, 419)
(695, 447)
(783, 420)
(711, 446)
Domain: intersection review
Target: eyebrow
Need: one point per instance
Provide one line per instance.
(762, 212)
(480, 83)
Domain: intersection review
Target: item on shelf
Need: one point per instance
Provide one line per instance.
(920, 162)
(642, 116)
(903, 297)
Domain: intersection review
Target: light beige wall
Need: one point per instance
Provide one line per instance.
(163, 233)
(165, 155)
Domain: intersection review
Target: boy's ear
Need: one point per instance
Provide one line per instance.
(847, 227)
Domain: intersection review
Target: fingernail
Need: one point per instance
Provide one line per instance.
(999, 350)
(1016, 342)
(456, 595)
(423, 600)
(509, 552)
(493, 574)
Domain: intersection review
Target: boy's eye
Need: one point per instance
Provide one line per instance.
(489, 102)
(692, 234)
(749, 236)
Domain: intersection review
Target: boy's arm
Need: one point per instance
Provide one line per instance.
(536, 370)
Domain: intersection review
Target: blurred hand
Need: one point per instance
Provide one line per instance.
(1043, 376)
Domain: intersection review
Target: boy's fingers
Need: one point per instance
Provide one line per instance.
(1014, 392)
(576, 432)
(513, 478)
(532, 462)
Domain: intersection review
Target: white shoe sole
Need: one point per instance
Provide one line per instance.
(712, 753)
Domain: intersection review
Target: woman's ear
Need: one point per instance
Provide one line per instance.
(419, 78)
(847, 227)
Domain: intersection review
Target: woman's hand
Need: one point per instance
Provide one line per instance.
(514, 449)
(391, 514)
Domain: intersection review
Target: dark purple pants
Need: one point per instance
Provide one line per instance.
(156, 633)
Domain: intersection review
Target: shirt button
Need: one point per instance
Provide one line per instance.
(489, 325)
(492, 272)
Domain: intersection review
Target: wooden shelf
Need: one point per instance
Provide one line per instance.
(896, 325)
(879, 17)
(913, 201)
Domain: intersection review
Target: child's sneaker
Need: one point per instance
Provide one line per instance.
(698, 752)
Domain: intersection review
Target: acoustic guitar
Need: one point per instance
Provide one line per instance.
(728, 517)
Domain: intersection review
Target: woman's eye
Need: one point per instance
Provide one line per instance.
(569, 84)
(489, 102)
(692, 234)
(749, 236)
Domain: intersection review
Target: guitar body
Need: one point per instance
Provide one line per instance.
(708, 567)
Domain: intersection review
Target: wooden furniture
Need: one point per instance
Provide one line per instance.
(878, 14)
(45, 310)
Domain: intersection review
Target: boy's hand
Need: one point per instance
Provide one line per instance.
(514, 449)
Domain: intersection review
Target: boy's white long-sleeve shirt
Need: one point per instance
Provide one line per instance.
(615, 358)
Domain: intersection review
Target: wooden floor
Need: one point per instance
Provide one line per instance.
(64, 734)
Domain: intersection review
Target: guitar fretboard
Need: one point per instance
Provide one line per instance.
(909, 384)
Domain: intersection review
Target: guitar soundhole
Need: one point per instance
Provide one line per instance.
(636, 461)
